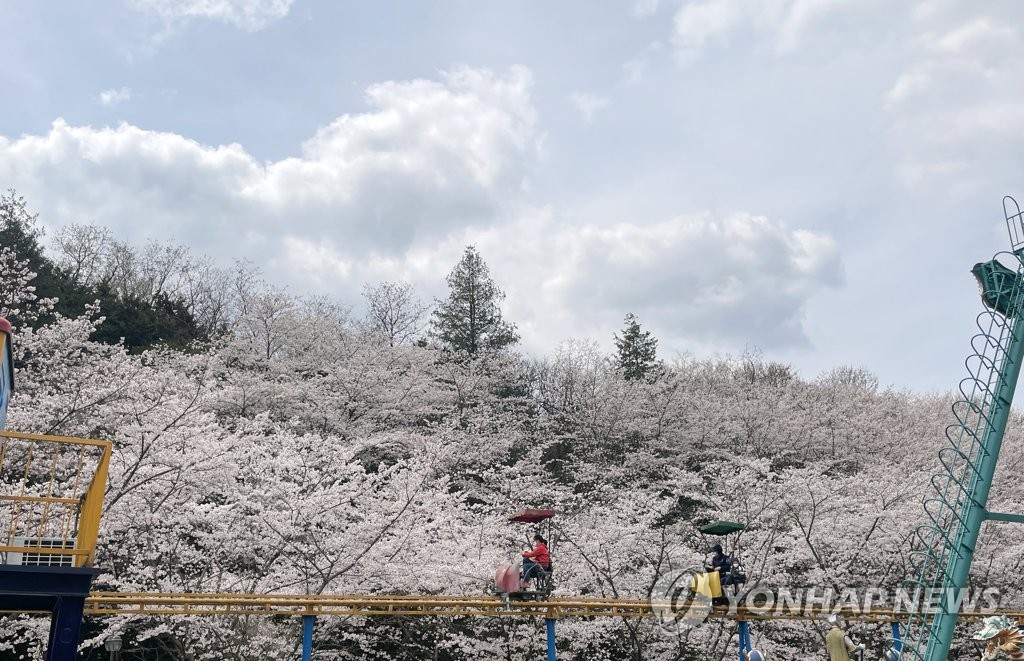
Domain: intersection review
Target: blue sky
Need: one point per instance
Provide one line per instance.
(814, 178)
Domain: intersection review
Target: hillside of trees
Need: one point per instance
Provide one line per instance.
(267, 442)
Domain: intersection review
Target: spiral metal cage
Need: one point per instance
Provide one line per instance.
(966, 459)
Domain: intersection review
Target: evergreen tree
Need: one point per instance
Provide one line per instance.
(470, 320)
(141, 321)
(637, 350)
(21, 234)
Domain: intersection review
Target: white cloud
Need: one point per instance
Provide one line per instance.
(428, 157)
(908, 85)
(643, 8)
(588, 104)
(703, 279)
(783, 24)
(726, 280)
(698, 281)
(978, 34)
(695, 24)
(957, 110)
(250, 15)
(635, 68)
(953, 101)
(398, 190)
(113, 97)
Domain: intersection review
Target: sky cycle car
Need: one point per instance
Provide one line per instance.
(724, 574)
(724, 577)
(523, 580)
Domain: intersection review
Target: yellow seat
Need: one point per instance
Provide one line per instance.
(708, 584)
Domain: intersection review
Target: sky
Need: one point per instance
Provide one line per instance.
(809, 179)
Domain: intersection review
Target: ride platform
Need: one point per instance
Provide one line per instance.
(51, 499)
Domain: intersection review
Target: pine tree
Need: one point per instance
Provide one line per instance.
(22, 261)
(470, 320)
(637, 350)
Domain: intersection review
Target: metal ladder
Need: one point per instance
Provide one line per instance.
(957, 507)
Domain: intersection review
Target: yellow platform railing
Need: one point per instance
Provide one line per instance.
(51, 498)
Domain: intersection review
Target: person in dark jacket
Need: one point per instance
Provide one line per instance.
(721, 563)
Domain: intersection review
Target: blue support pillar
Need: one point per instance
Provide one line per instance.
(897, 641)
(59, 590)
(65, 629)
(307, 636)
(744, 631)
(550, 622)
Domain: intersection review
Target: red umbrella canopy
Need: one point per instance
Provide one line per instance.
(532, 515)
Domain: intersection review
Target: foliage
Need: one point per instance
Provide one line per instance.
(27, 280)
(470, 320)
(395, 312)
(637, 350)
(298, 452)
(156, 296)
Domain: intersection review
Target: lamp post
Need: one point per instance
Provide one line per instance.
(113, 645)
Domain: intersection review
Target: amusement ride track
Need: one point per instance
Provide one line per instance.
(147, 603)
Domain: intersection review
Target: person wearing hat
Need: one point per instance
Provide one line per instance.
(720, 563)
(837, 643)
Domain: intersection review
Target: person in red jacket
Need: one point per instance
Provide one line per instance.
(535, 560)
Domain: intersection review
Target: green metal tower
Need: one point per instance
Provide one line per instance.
(944, 547)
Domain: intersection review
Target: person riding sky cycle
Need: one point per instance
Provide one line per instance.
(535, 560)
(721, 564)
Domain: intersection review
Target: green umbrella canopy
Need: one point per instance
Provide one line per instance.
(722, 528)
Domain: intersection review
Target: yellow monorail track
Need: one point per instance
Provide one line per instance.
(149, 603)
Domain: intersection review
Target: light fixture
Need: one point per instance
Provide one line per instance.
(113, 643)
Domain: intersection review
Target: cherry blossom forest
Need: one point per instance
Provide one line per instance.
(267, 441)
